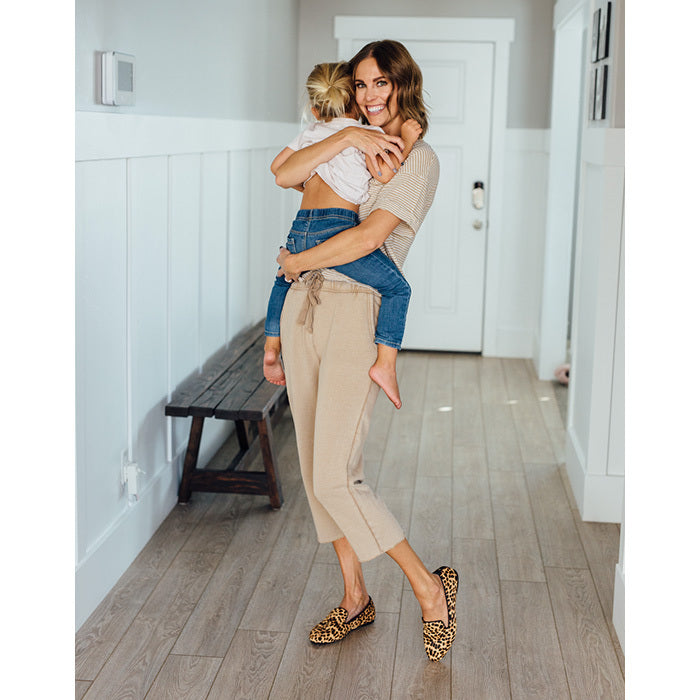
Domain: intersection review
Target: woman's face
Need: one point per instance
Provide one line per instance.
(376, 98)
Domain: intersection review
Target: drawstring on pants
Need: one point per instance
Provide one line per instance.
(313, 281)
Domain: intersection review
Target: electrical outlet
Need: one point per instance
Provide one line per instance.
(125, 462)
(132, 480)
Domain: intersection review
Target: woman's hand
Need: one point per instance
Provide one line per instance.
(374, 144)
(285, 261)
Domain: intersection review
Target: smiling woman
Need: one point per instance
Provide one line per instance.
(328, 334)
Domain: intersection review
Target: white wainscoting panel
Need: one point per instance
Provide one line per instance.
(522, 244)
(594, 411)
(213, 242)
(148, 309)
(238, 312)
(178, 222)
(101, 345)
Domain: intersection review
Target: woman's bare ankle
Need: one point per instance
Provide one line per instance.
(432, 601)
(354, 603)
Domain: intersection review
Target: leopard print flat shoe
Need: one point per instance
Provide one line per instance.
(335, 626)
(438, 638)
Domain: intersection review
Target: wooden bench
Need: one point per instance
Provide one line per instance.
(231, 386)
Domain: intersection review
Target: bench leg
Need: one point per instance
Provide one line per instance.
(242, 434)
(268, 455)
(191, 458)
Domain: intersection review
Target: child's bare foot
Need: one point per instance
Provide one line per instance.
(386, 378)
(272, 364)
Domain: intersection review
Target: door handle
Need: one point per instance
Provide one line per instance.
(478, 195)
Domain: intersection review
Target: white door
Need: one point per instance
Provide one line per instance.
(447, 262)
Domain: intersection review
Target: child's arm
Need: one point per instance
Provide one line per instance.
(297, 166)
(410, 133)
(279, 160)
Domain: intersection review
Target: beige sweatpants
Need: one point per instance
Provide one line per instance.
(327, 335)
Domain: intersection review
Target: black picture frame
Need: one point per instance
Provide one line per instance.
(595, 25)
(591, 94)
(601, 89)
(604, 32)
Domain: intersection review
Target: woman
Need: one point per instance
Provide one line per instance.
(327, 332)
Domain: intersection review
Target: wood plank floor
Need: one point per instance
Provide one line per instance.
(220, 601)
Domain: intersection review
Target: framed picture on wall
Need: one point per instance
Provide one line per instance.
(604, 32)
(592, 93)
(595, 24)
(601, 89)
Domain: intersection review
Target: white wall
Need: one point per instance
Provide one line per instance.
(522, 241)
(530, 53)
(203, 58)
(595, 425)
(595, 430)
(177, 225)
(570, 68)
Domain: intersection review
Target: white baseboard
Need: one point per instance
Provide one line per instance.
(599, 497)
(109, 558)
(619, 605)
(511, 342)
(113, 553)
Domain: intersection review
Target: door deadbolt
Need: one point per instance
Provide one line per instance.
(478, 195)
(478, 224)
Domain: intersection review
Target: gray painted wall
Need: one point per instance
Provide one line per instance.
(529, 92)
(194, 58)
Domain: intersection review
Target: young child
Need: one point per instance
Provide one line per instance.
(344, 181)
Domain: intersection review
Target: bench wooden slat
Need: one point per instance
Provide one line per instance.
(248, 366)
(185, 395)
(258, 403)
(251, 379)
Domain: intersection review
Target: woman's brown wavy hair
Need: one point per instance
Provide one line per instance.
(397, 65)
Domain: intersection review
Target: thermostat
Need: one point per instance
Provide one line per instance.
(117, 78)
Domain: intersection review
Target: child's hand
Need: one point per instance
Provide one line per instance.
(411, 131)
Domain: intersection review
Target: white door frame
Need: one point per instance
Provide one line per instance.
(562, 186)
(501, 33)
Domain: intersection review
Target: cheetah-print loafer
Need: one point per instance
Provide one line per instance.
(335, 626)
(437, 638)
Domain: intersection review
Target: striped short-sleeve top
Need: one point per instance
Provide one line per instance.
(408, 196)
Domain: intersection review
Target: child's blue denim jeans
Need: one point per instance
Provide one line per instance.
(313, 226)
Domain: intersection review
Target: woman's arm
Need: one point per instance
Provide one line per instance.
(344, 247)
(297, 166)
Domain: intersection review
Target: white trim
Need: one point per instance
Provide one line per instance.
(424, 28)
(108, 557)
(105, 135)
(496, 196)
(564, 9)
(599, 497)
(618, 615)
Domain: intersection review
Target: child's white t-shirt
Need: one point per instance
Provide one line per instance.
(346, 173)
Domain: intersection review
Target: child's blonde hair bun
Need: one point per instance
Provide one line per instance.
(330, 89)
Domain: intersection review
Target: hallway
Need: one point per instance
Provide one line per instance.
(220, 601)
